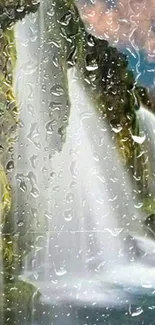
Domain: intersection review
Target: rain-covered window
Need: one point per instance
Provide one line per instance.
(77, 162)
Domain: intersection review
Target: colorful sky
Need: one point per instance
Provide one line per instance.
(128, 25)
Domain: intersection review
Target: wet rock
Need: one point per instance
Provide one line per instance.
(150, 225)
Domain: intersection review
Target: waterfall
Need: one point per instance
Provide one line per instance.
(75, 198)
(85, 237)
(36, 80)
(83, 247)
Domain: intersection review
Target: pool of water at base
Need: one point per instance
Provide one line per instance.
(139, 309)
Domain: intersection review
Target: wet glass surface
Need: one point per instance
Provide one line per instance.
(77, 153)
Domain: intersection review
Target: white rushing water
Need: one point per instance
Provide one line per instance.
(77, 201)
(85, 236)
(147, 127)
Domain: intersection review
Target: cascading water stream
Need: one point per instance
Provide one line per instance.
(84, 233)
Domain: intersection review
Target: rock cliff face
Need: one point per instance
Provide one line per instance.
(111, 85)
(10, 12)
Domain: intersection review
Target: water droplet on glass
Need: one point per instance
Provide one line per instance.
(43, 87)
(33, 134)
(138, 312)
(65, 20)
(101, 178)
(55, 106)
(69, 197)
(56, 61)
(72, 184)
(49, 127)
(10, 166)
(34, 192)
(33, 160)
(34, 212)
(113, 198)
(139, 205)
(73, 168)
(147, 285)
(68, 214)
(36, 275)
(60, 174)
(56, 188)
(85, 115)
(90, 38)
(23, 186)
(57, 90)
(52, 174)
(48, 215)
(92, 66)
(61, 271)
(114, 232)
(96, 156)
(139, 139)
(62, 131)
(30, 109)
(117, 129)
(51, 12)
(20, 223)
(31, 177)
(44, 170)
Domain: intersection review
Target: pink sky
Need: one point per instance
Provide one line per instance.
(130, 24)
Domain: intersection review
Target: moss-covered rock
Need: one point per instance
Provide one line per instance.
(5, 195)
(149, 205)
(21, 294)
(8, 107)
(12, 258)
(18, 302)
(10, 11)
(150, 224)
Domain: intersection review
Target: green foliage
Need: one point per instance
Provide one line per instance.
(5, 195)
(18, 301)
(149, 205)
(14, 10)
(12, 255)
(22, 293)
(8, 107)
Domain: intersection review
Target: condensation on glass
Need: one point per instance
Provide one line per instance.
(77, 157)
